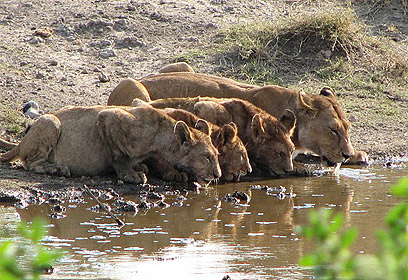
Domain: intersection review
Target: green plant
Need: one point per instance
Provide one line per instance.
(332, 258)
(19, 261)
(12, 120)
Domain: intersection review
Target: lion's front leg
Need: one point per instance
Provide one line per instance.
(165, 170)
(45, 167)
(125, 170)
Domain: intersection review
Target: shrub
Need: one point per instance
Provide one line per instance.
(332, 258)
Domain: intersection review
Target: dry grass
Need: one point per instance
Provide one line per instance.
(284, 51)
(12, 120)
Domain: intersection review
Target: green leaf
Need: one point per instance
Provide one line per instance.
(348, 238)
(337, 222)
(401, 189)
(308, 260)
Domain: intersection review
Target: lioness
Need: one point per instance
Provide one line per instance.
(321, 125)
(99, 139)
(267, 140)
(127, 90)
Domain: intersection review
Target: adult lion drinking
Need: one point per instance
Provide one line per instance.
(99, 139)
(321, 123)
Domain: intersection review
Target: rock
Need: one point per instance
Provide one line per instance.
(31, 109)
(39, 75)
(106, 53)
(53, 62)
(352, 118)
(35, 40)
(129, 42)
(58, 208)
(103, 78)
(119, 25)
(43, 32)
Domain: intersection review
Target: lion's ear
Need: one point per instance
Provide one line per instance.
(303, 106)
(183, 133)
(137, 102)
(225, 135)
(257, 126)
(288, 121)
(326, 91)
(230, 131)
(203, 126)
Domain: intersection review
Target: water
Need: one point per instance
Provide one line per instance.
(206, 237)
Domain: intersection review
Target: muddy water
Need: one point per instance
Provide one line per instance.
(206, 237)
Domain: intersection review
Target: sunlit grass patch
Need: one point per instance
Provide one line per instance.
(12, 120)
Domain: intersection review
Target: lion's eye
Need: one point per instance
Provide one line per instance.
(208, 158)
(333, 131)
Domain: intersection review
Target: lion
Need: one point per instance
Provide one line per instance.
(267, 139)
(127, 90)
(176, 67)
(321, 127)
(233, 156)
(100, 139)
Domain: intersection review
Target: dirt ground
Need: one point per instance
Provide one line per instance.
(74, 52)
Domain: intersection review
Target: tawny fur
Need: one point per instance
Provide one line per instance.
(321, 123)
(267, 140)
(233, 156)
(99, 139)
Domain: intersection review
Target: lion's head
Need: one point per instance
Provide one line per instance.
(197, 156)
(233, 156)
(323, 127)
(273, 147)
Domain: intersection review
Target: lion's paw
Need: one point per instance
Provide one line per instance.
(175, 176)
(301, 170)
(135, 178)
(64, 171)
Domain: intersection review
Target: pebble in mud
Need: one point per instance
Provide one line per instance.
(125, 206)
(237, 197)
(98, 208)
(58, 208)
(57, 215)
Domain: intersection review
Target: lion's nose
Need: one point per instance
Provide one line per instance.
(217, 173)
(346, 156)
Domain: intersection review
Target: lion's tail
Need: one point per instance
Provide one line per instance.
(10, 155)
(7, 145)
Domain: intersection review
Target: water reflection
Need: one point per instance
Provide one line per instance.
(207, 237)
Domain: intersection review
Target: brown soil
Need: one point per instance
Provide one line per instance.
(56, 52)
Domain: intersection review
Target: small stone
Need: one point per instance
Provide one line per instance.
(39, 75)
(35, 40)
(192, 39)
(352, 118)
(325, 53)
(103, 78)
(53, 63)
(106, 53)
(43, 32)
(58, 208)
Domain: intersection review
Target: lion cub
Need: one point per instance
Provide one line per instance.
(233, 156)
(267, 139)
(99, 139)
